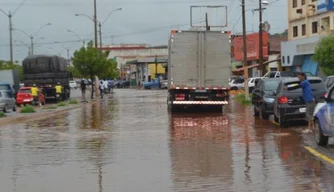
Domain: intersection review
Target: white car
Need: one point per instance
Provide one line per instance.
(73, 84)
(251, 81)
(236, 84)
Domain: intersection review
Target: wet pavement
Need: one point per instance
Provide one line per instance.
(129, 142)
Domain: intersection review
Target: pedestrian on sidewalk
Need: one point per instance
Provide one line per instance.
(308, 98)
(83, 90)
(101, 87)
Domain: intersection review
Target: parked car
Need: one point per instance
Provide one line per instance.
(7, 102)
(324, 119)
(290, 105)
(124, 84)
(163, 84)
(24, 97)
(329, 81)
(153, 84)
(263, 97)
(7, 87)
(279, 74)
(237, 84)
(252, 81)
(73, 85)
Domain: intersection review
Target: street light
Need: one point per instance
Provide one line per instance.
(99, 23)
(10, 16)
(67, 51)
(32, 36)
(76, 34)
(24, 44)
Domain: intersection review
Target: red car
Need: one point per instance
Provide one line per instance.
(24, 97)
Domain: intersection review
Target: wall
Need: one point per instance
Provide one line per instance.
(295, 49)
(161, 70)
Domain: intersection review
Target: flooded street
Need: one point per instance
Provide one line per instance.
(129, 142)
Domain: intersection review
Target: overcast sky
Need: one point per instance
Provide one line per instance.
(140, 21)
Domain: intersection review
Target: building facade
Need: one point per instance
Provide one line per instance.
(308, 21)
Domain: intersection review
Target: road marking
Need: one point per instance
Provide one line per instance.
(319, 155)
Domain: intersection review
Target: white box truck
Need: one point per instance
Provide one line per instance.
(199, 69)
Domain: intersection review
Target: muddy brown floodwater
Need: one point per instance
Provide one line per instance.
(130, 143)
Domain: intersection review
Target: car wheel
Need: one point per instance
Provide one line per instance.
(276, 118)
(282, 122)
(319, 137)
(5, 110)
(14, 108)
(265, 115)
(255, 112)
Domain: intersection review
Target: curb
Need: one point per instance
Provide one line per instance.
(21, 118)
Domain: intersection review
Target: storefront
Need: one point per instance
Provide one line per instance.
(296, 55)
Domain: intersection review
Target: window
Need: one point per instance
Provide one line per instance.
(288, 59)
(4, 87)
(303, 2)
(294, 3)
(271, 85)
(303, 29)
(315, 27)
(317, 85)
(25, 91)
(283, 59)
(295, 31)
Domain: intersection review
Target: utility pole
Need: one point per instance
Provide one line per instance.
(11, 37)
(261, 68)
(100, 28)
(95, 23)
(244, 40)
(156, 66)
(32, 44)
(207, 22)
(68, 56)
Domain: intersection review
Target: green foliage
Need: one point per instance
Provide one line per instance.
(90, 61)
(74, 71)
(324, 55)
(27, 109)
(62, 104)
(241, 98)
(73, 102)
(2, 114)
(9, 65)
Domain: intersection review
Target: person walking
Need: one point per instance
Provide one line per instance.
(308, 98)
(101, 87)
(83, 90)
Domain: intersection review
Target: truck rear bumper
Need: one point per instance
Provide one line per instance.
(200, 102)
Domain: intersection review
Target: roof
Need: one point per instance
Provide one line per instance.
(296, 79)
(275, 43)
(149, 60)
(41, 55)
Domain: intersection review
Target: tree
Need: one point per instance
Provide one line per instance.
(90, 61)
(8, 65)
(324, 55)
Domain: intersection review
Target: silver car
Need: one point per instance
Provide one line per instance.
(7, 102)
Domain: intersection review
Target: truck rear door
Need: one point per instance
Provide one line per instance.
(216, 59)
(183, 58)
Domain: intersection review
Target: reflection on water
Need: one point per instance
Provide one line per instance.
(130, 143)
(201, 152)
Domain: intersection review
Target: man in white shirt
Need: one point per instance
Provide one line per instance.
(101, 87)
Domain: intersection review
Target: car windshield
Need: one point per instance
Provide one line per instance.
(270, 85)
(4, 87)
(238, 81)
(24, 91)
(315, 84)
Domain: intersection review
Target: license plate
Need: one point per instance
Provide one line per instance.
(200, 91)
(26, 100)
(302, 110)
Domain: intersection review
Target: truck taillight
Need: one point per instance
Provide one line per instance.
(219, 95)
(180, 96)
(283, 100)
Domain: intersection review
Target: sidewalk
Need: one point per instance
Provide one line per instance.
(47, 111)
